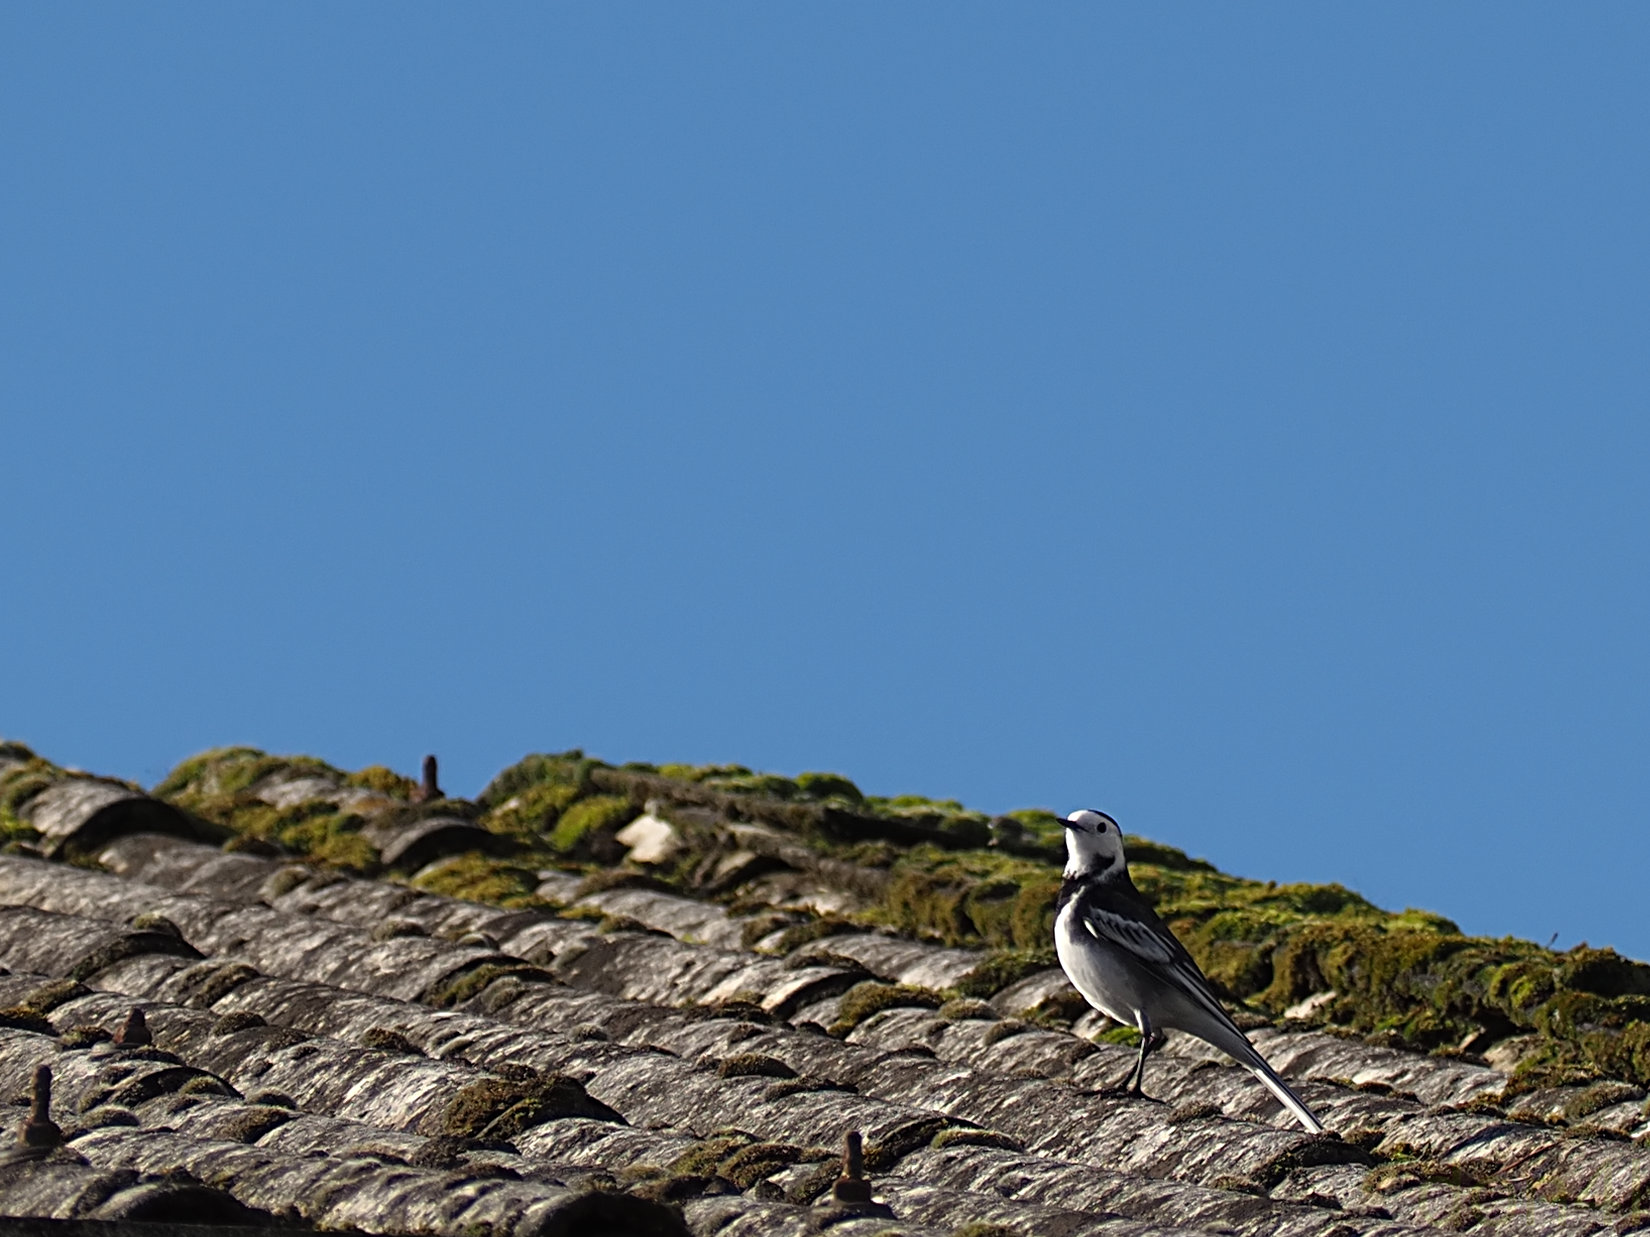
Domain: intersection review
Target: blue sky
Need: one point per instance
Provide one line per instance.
(1234, 418)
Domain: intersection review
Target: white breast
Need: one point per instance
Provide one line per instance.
(1098, 972)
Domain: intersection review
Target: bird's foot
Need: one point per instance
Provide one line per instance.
(1128, 1091)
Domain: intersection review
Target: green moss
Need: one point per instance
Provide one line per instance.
(15, 833)
(971, 896)
(603, 879)
(19, 784)
(86, 1035)
(882, 1155)
(796, 1086)
(869, 854)
(333, 840)
(741, 781)
(1313, 1153)
(470, 982)
(494, 1109)
(743, 1006)
(968, 828)
(238, 1020)
(388, 1039)
(728, 1156)
(228, 771)
(218, 786)
(50, 995)
(475, 877)
(750, 1164)
(1233, 963)
(1600, 1096)
(702, 1158)
(827, 786)
(1032, 832)
(681, 772)
(253, 1122)
(204, 1084)
(1006, 1029)
(188, 777)
(390, 929)
(532, 811)
(1429, 987)
(589, 819)
(961, 1009)
(963, 826)
(570, 768)
(384, 781)
(914, 806)
(1059, 1011)
(1578, 1052)
(315, 830)
(203, 986)
(1129, 1037)
(108, 1116)
(1407, 1174)
(1239, 1183)
(676, 1189)
(1603, 972)
(757, 785)
(809, 1182)
(871, 997)
(154, 921)
(1003, 967)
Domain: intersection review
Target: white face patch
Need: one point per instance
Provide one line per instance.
(1094, 844)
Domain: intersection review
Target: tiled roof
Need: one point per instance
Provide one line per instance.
(640, 1000)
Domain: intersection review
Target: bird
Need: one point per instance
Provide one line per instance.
(1128, 965)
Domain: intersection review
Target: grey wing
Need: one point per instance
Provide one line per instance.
(1153, 948)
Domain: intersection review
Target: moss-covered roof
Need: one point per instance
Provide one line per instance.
(934, 870)
(799, 913)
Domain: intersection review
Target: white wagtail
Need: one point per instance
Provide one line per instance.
(1127, 964)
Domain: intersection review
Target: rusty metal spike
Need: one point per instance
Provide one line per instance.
(430, 788)
(135, 1032)
(852, 1187)
(40, 1130)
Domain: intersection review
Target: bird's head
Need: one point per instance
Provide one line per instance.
(1094, 845)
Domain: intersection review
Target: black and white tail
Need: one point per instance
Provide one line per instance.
(1258, 1067)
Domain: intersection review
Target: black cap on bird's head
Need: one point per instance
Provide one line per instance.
(1087, 820)
(1094, 844)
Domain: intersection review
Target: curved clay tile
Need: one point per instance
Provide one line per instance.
(83, 814)
(348, 1051)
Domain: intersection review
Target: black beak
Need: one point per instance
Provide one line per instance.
(1066, 824)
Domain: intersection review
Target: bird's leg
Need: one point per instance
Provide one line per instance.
(1150, 1039)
